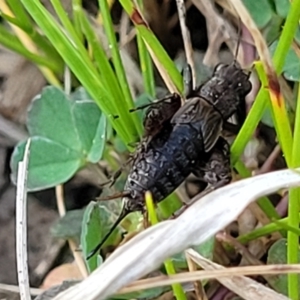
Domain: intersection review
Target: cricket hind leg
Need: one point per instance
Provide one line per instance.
(113, 178)
(216, 169)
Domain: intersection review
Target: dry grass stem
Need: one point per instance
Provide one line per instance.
(259, 41)
(188, 48)
(210, 274)
(245, 287)
(59, 191)
(122, 267)
(198, 287)
(15, 289)
(219, 31)
(21, 226)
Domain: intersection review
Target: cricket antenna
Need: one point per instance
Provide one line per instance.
(153, 103)
(122, 215)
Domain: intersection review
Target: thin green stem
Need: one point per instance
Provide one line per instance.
(158, 53)
(20, 13)
(146, 66)
(72, 34)
(283, 46)
(66, 22)
(177, 288)
(77, 8)
(260, 103)
(249, 126)
(277, 225)
(287, 36)
(170, 205)
(279, 116)
(293, 209)
(145, 62)
(11, 42)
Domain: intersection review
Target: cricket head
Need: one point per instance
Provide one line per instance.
(227, 88)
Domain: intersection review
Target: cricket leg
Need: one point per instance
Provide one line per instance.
(113, 178)
(213, 169)
(217, 170)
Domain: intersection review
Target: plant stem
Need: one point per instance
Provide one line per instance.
(293, 209)
(177, 288)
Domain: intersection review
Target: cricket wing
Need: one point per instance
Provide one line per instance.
(211, 128)
(203, 117)
(189, 112)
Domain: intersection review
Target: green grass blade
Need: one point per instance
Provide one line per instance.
(77, 8)
(170, 205)
(40, 41)
(11, 42)
(293, 209)
(107, 74)
(279, 114)
(287, 36)
(155, 48)
(76, 57)
(249, 126)
(146, 67)
(283, 46)
(120, 72)
(260, 103)
(177, 288)
(145, 62)
(67, 24)
(20, 13)
(277, 225)
(15, 21)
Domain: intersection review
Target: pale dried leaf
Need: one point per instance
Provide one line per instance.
(69, 271)
(145, 252)
(245, 287)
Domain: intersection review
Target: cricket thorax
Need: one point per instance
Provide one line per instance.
(226, 89)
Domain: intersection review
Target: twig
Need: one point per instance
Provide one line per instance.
(198, 287)
(267, 166)
(21, 226)
(15, 289)
(59, 192)
(209, 274)
(174, 19)
(219, 31)
(62, 211)
(186, 38)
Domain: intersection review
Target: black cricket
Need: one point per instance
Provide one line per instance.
(180, 140)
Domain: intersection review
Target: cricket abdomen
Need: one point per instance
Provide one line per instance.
(165, 164)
